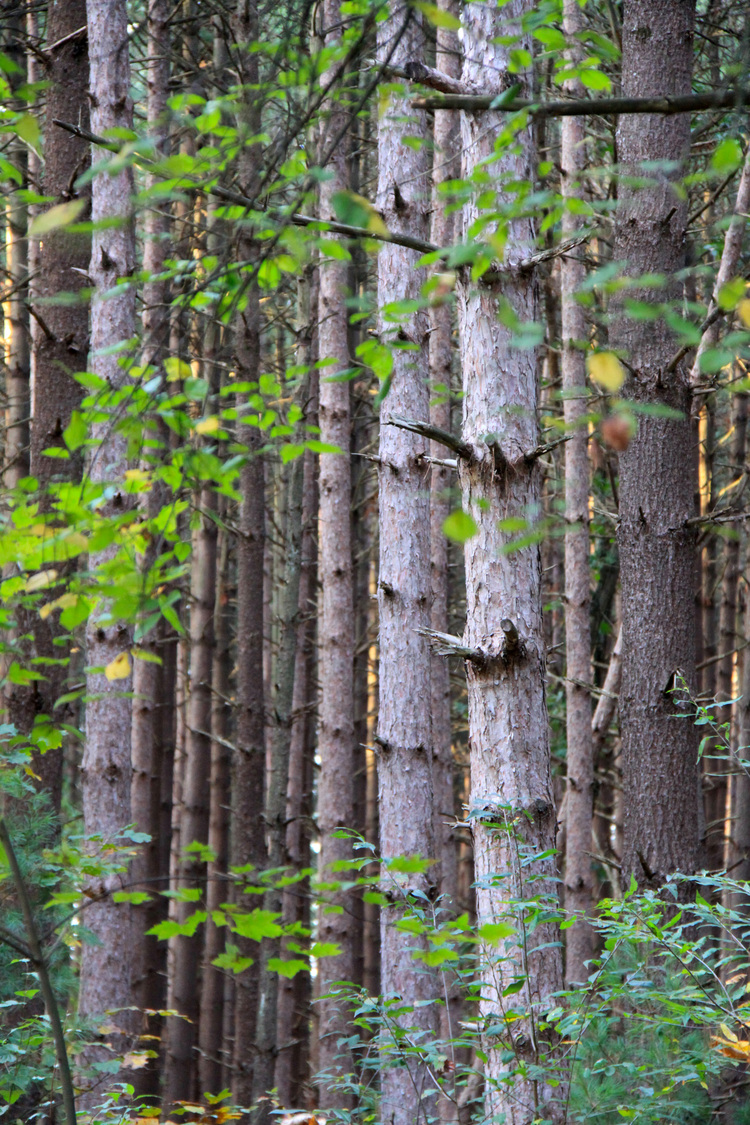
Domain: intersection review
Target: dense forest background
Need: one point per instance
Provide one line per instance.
(374, 608)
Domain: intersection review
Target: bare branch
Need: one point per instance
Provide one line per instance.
(433, 433)
(583, 107)
(445, 644)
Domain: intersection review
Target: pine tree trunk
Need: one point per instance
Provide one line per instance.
(579, 882)
(512, 801)
(337, 629)
(105, 982)
(248, 843)
(446, 167)
(60, 341)
(182, 1033)
(276, 790)
(656, 542)
(404, 738)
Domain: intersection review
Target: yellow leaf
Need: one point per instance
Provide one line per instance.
(135, 1060)
(58, 216)
(119, 668)
(744, 310)
(40, 581)
(606, 370)
(727, 1033)
(30, 772)
(63, 602)
(207, 425)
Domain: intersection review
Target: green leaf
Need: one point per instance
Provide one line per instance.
(256, 924)
(287, 968)
(594, 79)
(28, 130)
(732, 293)
(551, 38)
(727, 156)
(137, 898)
(496, 931)
(459, 526)
(436, 16)
(408, 864)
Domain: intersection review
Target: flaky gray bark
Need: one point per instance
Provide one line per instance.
(404, 738)
(656, 542)
(512, 804)
(579, 883)
(105, 982)
(446, 167)
(336, 743)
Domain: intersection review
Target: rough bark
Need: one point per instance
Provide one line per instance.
(211, 1047)
(152, 736)
(336, 743)
(60, 340)
(512, 803)
(404, 738)
(446, 167)
(276, 790)
(656, 543)
(579, 883)
(105, 981)
(248, 844)
(292, 1063)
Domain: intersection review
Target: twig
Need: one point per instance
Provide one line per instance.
(445, 644)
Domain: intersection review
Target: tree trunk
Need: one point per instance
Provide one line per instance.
(152, 736)
(657, 545)
(404, 738)
(182, 1033)
(512, 803)
(248, 845)
(579, 882)
(446, 167)
(337, 629)
(105, 982)
(60, 341)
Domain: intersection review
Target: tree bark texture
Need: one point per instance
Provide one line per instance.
(247, 832)
(512, 803)
(105, 981)
(336, 742)
(657, 545)
(446, 167)
(60, 348)
(579, 881)
(404, 738)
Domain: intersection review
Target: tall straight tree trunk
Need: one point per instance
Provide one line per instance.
(656, 542)
(739, 840)
(152, 736)
(247, 833)
(336, 742)
(60, 345)
(182, 1033)
(105, 981)
(276, 789)
(446, 167)
(404, 738)
(292, 1063)
(579, 882)
(512, 803)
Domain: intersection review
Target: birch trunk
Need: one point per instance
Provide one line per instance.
(336, 743)
(105, 982)
(656, 542)
(579, 882)
(512, 804)
(404, 738)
